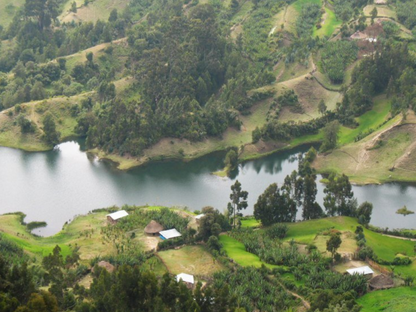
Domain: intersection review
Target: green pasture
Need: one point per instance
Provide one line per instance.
(402, 299)
(371, 119)
(385, 247)
(330, 24)
(236, 251)
(297, 5)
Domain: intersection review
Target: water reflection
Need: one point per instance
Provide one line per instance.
(54, 186)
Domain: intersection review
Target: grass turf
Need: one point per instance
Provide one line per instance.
(236, 251)
(397, 299)
(194, 260)
(329, 25)
(385, 247)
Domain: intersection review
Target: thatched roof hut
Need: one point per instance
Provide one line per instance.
(153, 228)
(106, 265)
(381, 282)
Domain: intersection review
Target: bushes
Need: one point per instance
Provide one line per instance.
(336, 56)
(277, 231)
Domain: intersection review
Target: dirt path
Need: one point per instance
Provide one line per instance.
(305, 303)
(399, 237)
(364, 155)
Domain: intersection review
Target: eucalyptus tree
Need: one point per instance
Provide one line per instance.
(238, 200)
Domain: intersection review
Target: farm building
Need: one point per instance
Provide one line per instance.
(186, 278)
(115, 216)
(365, 270)
(168, 234)
(153, 228)
(381, 282)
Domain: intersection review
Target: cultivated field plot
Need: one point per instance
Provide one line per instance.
(382, 11)
(94, 11)
(195, 260)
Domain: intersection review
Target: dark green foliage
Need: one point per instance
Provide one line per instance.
(325, 298)
(253, 290)
(290, 99)
(333, 243)
(335, 58)
(212, 223)
(51, 135)
(270, 250)
(130, 289)
(231, 159)
(256, 135)
(274, 206)
(389, 70)
(307, 19)
(339, 199)
(364, 213)
(289, 130)
(26, 126)
(35, 224)
(238, 201)
(330, 136)
(277, 231)
(311, 209)
(406, 13)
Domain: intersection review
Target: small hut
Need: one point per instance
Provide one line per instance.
(187, 279)
(381, 282)
(153, 228)
(106, 265)
(115, 216)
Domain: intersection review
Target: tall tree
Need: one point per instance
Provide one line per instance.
(45, 11)
(49, 129)
(333, 244)
(273, 206)
(330, 136)
(339, 199)
(311, 209)
(238, 200)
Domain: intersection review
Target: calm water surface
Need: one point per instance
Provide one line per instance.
(57, 185)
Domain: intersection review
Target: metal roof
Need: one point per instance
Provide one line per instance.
(172, 233)
(199, 216)
(118, 214)
(361, 270)
(187, 278)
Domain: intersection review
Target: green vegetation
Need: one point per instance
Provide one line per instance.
(236, 251)
(328, 25)
(397, 299)
(385, 247)
(404, 211)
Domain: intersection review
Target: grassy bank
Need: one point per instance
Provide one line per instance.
(385, 247)
(397, 299)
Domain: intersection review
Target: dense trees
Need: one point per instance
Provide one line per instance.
(339, 199)
(330, 136)
(275, 205)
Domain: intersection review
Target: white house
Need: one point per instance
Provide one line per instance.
(168, 234)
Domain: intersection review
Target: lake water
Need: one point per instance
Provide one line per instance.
(57, 185)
